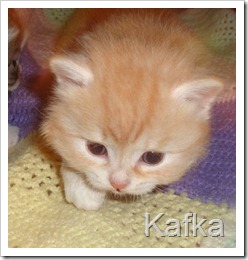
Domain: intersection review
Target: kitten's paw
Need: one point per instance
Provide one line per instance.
(85, 201)
(79, 193)
(13, 136)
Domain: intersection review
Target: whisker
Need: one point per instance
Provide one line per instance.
(159, 188)
(141, 198)
(107, 195)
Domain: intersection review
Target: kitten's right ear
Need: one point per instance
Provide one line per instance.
(70, 70)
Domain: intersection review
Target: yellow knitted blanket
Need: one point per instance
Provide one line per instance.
(39, 216)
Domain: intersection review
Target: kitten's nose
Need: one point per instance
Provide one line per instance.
(119, 185)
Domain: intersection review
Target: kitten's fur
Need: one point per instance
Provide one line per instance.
(17, 36)
(134, 82)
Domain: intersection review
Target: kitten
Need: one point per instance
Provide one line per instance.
(131, 104)
(16, 40)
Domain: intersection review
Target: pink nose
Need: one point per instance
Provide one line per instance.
(119, 185)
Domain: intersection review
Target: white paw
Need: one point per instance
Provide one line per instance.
(79, 193)
(84, 200)
(13, 135)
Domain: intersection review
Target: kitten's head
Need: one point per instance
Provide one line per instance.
(128, 124)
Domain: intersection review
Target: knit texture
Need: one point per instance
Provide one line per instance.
(216, 27)
(214, 177)
(39, 215)
(23, 104)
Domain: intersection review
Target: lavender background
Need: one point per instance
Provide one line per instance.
(22, 103)
(213, 179)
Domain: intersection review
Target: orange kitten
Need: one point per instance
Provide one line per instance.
(131, 106)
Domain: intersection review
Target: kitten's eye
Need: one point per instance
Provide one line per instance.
(152, 157)
(97, 149)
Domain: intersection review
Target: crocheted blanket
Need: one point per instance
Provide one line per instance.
(40, 217)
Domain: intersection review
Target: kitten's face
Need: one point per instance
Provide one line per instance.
(130, 133)
(131, 109)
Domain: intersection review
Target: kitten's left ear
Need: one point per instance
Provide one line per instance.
(198, 95)
(69, 69)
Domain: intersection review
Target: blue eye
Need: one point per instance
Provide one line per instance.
(97, 149)
(152, 157)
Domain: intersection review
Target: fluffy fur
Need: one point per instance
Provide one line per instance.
(134, 81)
(16, 40)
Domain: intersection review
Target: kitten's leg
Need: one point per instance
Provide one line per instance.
(79, 193)
(13, 135)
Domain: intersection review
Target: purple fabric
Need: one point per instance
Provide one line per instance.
(22, 103)
(213, 179)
